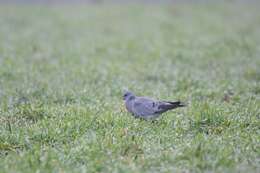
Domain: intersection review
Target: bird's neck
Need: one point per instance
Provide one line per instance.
(131, 98)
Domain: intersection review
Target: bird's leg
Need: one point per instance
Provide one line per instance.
(154, 121)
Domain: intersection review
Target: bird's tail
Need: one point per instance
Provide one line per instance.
(171, 105)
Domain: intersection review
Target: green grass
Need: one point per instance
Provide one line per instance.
(63, 70)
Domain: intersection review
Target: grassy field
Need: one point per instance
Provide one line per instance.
(63, 70)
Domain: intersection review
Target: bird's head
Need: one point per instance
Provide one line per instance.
(128, 95)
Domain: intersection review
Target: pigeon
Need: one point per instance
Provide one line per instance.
(148, 108)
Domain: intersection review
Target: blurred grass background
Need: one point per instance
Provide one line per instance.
(63, 69)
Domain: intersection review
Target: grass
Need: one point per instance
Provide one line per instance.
(63, 69)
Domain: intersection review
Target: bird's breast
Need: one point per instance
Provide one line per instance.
(128, 106)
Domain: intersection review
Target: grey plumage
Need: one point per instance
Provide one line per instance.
(147, 108)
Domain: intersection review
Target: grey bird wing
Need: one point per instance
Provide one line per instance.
(143, 106)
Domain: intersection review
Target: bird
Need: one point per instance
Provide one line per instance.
(148, 108)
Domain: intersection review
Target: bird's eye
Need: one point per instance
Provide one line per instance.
(125, 95)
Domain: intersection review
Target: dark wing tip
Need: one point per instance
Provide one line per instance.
(179, 103)
(182, 104)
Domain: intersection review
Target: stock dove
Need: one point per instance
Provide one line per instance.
(148, 108)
